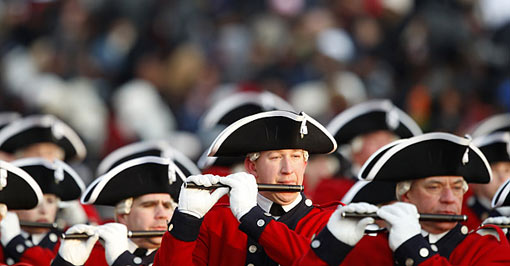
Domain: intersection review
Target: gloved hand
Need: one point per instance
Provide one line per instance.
(403, 220)
(9, 228)
(198, 202)
(497, 220)
(77, 251)
(243, 192)
(350, 230)
(115, 240)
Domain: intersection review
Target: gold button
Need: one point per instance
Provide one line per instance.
(409, 262)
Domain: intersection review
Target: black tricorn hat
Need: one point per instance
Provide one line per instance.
(501, 197)
(431, 154)
(158, 148)
(230, 109)
(18, 190)
(273, 130)
(42, 128)
(372, 116)
(373, 192)
(495, 146)
(134, 178)
(492, 124)
(55, 177)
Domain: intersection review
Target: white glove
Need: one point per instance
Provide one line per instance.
(198, 202)
(497, 220)
(9, 228)
(350, 230)
(243, 192)
(115, 240)
(77, 251)
(403, 220)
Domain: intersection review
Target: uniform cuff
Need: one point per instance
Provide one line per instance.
(328, 248)
(414, 251)
(254, 222)
(184, 227)
(17, 246)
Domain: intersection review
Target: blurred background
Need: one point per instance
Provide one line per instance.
(120, 71)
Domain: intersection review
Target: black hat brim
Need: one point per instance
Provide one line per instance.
(369, 117)
(501, 197)
(39, 129)
(134, 178)
(44, 173)
(273, 130)
(21, 191)
(373, 192)
(431, 154)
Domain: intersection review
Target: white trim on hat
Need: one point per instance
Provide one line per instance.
(162, 145)
(243, 121)
(45, 121)
(266, 100)
(371, 106)
(491, 124)
(34, 161)
(497, 137)
(429, 136)
(26, 177)
(95, 188)
(501, 195)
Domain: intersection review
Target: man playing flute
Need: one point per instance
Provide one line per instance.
(256, 228)
(431, 172)
(144, 192)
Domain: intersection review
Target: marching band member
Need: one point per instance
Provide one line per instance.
(431, 172)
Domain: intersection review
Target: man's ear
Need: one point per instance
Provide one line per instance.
(405, 197)
(121, 218)
(250, 167)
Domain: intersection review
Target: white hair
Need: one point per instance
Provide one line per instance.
(253, 156)
(404, 186)
(124, 206)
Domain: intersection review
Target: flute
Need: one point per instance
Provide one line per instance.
(261, 187)
(39, 225)
(421, 216)
(130, 234)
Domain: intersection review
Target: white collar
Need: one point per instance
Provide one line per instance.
(36, 238)
(433, 238)
(266, 203)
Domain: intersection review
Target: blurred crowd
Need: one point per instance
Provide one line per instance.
(120, 71)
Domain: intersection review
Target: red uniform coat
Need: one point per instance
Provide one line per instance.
(455, 248)
(259, 239)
